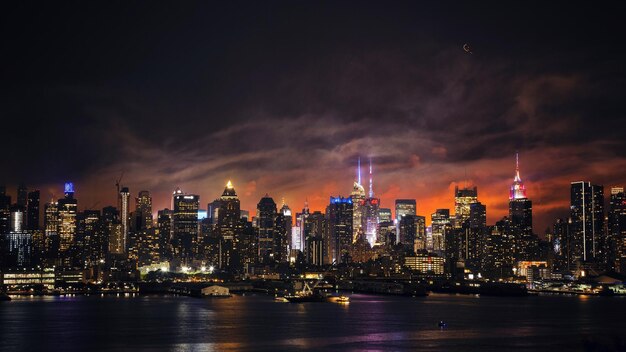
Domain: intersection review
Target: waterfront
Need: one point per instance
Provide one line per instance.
(256, 322)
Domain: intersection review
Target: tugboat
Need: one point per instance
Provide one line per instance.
(306, 295)
(310, 294)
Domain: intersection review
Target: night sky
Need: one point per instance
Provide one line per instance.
(282, 97)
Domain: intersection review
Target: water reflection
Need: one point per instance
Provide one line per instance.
(257, 322)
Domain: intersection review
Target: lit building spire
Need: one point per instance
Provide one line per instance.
(358, 171)
(517, 178)
(518, 191)
(229, 185)
(371, 192)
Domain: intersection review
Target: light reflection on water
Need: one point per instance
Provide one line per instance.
(256, 322)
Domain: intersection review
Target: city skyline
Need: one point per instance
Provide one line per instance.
(312, 175)
(498, 204)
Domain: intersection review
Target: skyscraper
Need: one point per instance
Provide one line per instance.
(384, 215)
(616, 241)
(22, 195)
(5, 211)
(124, 207)
(51, 228)
(339, 213)
(143, 211)
(440, 223)
(358, 202)
(229, 226)
(32, 220)
(520, 207)
(283, 226)
(462, 200)
(587, 214)
(317, 239)
(371, 207)
(472, 234)
(67, 208)
(164, 233)
(282, 230)
(185, 226)
(404, 207)
(19, 252)
(298, 233)
(266, 217)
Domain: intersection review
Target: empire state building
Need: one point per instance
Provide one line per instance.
(520, 207)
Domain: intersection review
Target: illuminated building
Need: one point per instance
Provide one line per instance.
(164, 233)
(266, 217)
(533, 270)
(497, 259)
(371, 214)
(86, 223)
(521, 216)
(184, 226)
(404, 207)
(358, 200)
(473, 234)
(143, 211)
(462, 200)
(112, 231)
(425, 264)
(32, 220)
(384, 215)
(317, 240)
(440, 224)
(67, 208)
(143, 239)
(229, 226)
(299, 233)
(562, 244)
(95, 238)
(19, 241)
(339, 214)
(213, 210)
(281, 235)
(5, 211)
(407, 231)
(124, 207)
(285, 231)
(116, 238)
(18, 279)
(387, 233)
(51, 229)
(587, 214)
(370, 223)
(616, 241)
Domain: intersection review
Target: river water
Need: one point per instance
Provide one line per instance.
(257, 322)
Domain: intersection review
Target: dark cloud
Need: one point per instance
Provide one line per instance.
(282, 97)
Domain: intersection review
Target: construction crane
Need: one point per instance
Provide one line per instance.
(117, 182)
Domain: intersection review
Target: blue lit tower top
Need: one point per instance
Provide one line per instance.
(69, 190)
(340, 200)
